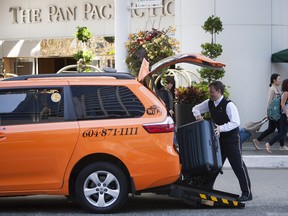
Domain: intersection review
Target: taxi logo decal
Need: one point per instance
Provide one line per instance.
(153, 110)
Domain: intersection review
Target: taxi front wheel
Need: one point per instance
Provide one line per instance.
(101, 187)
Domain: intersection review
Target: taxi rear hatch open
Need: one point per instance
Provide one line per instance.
(195, 59)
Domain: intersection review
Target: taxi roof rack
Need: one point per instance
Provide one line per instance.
(118, 75)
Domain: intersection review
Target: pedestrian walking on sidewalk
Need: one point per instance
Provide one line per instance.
(225, 115)
(275, 82)
(282, 122)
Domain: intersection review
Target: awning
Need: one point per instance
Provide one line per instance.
(281, 56)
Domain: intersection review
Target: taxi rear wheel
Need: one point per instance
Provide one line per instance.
(101, 188)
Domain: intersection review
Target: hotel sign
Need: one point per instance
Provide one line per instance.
(53, 19)
(87, 11)
(55, 14)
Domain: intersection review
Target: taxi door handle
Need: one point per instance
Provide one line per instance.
(2, 136)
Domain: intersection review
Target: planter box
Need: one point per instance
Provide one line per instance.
(183, 114)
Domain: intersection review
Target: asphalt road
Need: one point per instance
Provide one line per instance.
(269, 186)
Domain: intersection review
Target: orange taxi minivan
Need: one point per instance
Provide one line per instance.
(93, 137)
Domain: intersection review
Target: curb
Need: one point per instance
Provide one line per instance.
(263, 161)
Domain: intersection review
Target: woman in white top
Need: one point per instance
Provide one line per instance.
(275, 81)
(282, 122)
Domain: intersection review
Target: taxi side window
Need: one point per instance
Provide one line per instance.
(105, 102)
(31, 106)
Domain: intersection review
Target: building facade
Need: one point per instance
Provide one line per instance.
(39, 35)
(253, 30)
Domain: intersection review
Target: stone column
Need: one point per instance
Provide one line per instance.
(122, 31)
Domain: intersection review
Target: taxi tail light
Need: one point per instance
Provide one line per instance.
(160, 127)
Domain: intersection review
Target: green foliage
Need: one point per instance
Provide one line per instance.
(208, 75)
(212, 25)
(83, 34)
(189, 95)
(204, 87)
(211, 50)
(85, 55)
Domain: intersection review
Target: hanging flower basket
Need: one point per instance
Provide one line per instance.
(152, 45)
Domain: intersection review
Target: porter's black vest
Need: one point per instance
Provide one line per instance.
(220, 117)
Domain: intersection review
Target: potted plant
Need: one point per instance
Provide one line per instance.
(213, 26)
(83, 34)
(83, 58)
(84, 55)
(185, 99)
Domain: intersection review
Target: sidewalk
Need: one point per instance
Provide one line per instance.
(261, 158)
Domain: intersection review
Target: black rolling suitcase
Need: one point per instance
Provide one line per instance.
(199, 148)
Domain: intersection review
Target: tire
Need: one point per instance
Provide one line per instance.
(101, 187)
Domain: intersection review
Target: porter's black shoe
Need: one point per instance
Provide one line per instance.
(245, 197)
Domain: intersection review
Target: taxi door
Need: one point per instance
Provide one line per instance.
(36, 141)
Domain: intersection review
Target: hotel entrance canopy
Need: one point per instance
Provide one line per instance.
(281, 56)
